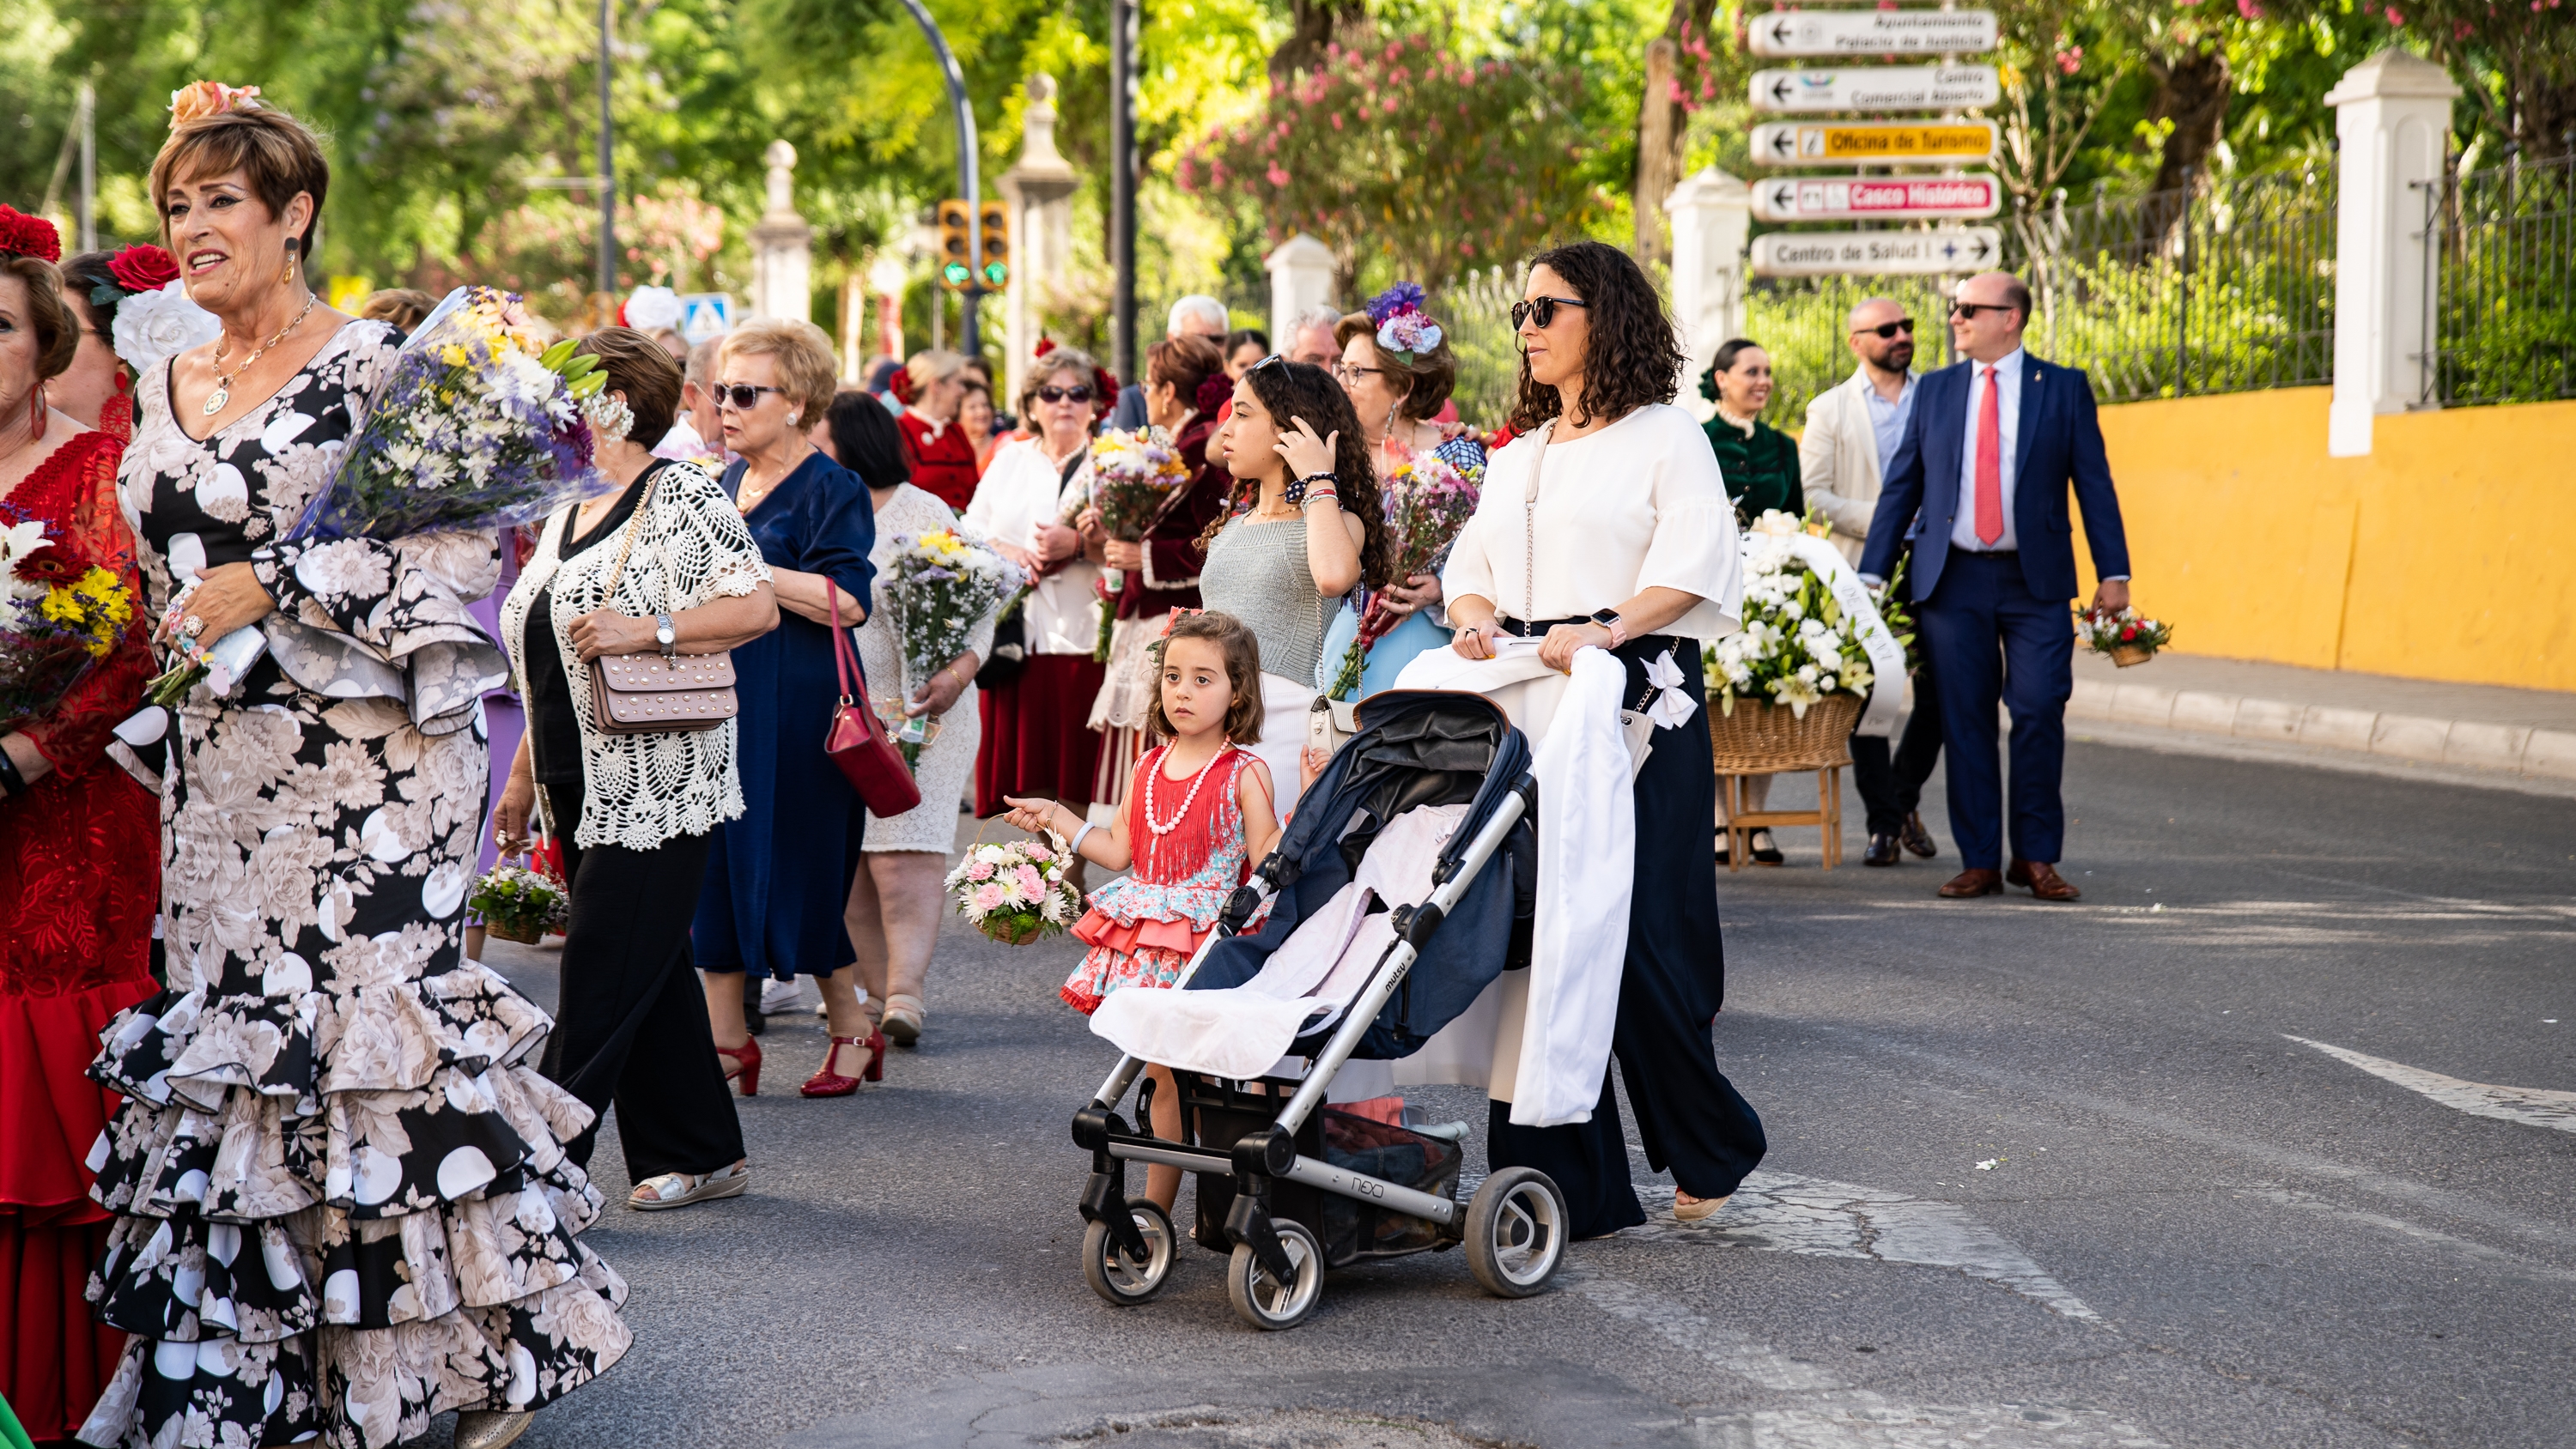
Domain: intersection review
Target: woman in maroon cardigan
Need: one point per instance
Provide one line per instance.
(1161, 573)
(935, 444)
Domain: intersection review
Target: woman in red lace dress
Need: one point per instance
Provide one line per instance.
(80, 871)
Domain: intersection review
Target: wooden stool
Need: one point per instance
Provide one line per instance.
(1770, 739)
(1741, 823)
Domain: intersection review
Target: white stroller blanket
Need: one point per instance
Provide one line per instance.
(1241, 1032)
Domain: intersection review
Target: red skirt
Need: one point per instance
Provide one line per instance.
(1038, 742)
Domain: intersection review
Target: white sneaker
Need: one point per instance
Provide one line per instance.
(777, 995)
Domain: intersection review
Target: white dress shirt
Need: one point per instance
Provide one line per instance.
(1021, 490)
(2007, 381)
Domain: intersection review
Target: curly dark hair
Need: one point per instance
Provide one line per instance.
(1293, 390)
(1633, 357)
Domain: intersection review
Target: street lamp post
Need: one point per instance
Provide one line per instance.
(969, 336)
(1124, 22)
(607, 171)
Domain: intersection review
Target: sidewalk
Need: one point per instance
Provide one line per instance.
(2517, 738)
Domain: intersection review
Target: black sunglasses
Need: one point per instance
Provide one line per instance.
(1971, 309)
(744, 396)
(1541, 310)
(1888, 329)
(1064, 394)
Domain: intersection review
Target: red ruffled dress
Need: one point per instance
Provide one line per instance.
(942, 458)
(1144, 927)
(80, 880)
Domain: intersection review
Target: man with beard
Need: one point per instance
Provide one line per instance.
(1852, 432)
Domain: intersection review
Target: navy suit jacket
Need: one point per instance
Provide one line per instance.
(2059, 445)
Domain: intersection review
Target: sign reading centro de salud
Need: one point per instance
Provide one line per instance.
(1872, 32)
(1872, 143)
(1843, 253)
(1877, 88)
(1876, 198)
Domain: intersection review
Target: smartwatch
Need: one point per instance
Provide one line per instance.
(1609, 619)
(666, 634)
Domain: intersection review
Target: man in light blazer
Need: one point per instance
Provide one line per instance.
(1851, 437)
(1981, 479)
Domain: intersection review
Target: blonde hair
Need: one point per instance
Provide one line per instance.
(933, 367)
(807, 372)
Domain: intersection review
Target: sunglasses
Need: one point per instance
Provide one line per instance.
(1276, 359)
(1971, 309)
(1064, 394)
(1541, 310)
(744, 396)
(1888, 329)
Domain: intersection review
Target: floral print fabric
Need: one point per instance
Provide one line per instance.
(1127, 948)
(343, 1204)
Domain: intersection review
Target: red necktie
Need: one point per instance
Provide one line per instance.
(1990, 464)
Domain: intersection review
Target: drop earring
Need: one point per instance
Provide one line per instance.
(288, 277)
(36, 413)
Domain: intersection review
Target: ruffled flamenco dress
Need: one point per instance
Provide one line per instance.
(1189, 855)
(80, 869)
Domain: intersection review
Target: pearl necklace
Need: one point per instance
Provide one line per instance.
(1155, 775)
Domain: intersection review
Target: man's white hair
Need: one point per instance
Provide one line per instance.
(1207, 311)
(1326, 316)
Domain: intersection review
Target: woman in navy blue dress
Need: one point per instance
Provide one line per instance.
(778, 877)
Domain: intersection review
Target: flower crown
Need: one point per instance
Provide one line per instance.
(197, 100)
(28, 236)
(1403, 328)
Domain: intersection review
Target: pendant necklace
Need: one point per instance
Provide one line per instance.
(223, 393)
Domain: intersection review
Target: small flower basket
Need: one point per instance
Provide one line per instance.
(1017, 892)
(2127, 636)
(520, 904)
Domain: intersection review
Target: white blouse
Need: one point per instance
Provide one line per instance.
(1638, 505)
(1019, 491)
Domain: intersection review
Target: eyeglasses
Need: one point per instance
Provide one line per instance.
(744, 396)
(1064, 394)
(1346, 372)
(1541, 310)
(1971, 309)
(1888, 329)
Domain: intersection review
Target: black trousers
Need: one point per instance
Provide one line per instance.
(1689, 1116)
(1891, 781)
(630, 1022)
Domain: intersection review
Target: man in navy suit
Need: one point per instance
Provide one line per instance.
(1980, 484)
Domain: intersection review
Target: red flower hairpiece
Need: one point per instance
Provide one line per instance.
(1104, 396)
(1045, 346)
(29, 236)
(145, 268)
(1215, 391)
(901, 386)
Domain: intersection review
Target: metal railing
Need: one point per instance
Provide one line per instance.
(1476, 311)
(2502, 283)
(1802, 323)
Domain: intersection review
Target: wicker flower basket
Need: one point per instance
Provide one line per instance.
(2125, 655)
(526, 932)
(1759, 739)
(1008, 934)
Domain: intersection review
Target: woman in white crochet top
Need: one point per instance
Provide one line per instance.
(636, 813)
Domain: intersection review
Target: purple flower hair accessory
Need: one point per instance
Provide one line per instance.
(1403, 328)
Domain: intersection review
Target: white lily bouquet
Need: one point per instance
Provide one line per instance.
(1800, 641)
(939, 585)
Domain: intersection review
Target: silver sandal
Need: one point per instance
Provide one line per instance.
(674, 1189)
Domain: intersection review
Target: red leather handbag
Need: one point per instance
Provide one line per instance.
(857, 739)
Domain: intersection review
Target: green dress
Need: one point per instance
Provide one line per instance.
(1761, 471)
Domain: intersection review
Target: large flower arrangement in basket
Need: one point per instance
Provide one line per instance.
(1790, 683)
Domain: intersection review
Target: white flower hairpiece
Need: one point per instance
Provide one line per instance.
(610, 418)
(649, 309)
(154, 326)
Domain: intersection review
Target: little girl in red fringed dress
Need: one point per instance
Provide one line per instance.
(1199, 815)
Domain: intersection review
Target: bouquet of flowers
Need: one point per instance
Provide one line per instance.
(1427, 502)
(1018, 892)
(521, 904)
(475, 427)
(2128, 636)
(938, 586)
(58, 614)
(1796, 646)
(1133, 474)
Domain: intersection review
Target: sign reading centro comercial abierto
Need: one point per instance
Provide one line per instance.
(1872, 32)
(1876, 88)
(1863, 253)
(1872, 143)
(1875, 198)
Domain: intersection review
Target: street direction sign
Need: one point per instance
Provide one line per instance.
(1876, 198)
(1872, 143)
(1876, 88)
(1872, 32)
(1874, 253)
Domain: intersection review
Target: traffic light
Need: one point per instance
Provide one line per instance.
(996, 268)
(956, 254)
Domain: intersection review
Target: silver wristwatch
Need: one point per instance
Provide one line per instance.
(666, 634)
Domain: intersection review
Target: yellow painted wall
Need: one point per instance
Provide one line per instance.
(2448, 553)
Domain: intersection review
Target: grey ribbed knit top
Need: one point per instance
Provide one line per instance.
(1258, 573)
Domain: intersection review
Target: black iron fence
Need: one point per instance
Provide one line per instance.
(2503, 283)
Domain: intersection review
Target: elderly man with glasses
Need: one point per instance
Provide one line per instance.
(1192, 316)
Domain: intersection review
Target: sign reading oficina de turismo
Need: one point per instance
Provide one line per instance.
(1871, 32)
(1876, 88)
(1872, 143)
(1875, 198)
(1840, 253)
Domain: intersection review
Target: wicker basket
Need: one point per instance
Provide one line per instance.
(509, 929)
(2125, 655)
(1002, 931)
(1759, 739)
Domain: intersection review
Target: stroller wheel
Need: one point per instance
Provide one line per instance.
(1266, 1302)
(1121, 1279)
(1515, 1232)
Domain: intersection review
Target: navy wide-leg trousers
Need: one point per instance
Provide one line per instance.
(1987, 637)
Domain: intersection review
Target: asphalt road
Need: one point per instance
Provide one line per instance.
(2040, 1176)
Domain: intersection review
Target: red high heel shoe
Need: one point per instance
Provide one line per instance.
(746, 1060)
(828, 1083)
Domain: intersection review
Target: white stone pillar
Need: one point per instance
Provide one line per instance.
(1712, 216)
(1039, 194)
(782, 246)
(2392, 126)
(1301, 278)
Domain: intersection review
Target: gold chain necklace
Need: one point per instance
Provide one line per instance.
(223, 392)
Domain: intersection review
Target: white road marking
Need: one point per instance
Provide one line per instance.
(2538, 1106)
(2422, 1234)
(1783, 1212)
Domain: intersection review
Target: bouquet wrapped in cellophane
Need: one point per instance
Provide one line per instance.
(938, 586)
(1133, 474)
(1427, 502)
(476, 426)
(59, 614)
(1797, 644)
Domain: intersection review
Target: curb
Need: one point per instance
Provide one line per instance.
(2468, 744)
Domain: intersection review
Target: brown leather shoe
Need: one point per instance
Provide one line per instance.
(2043, 880)
(1970, 883)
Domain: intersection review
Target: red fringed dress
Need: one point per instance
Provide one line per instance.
(1144, 927)
(80, 879)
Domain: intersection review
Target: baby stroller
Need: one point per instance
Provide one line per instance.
(1288, 1187)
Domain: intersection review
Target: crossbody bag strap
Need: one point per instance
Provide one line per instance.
(626, 545)
(1529, 523)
